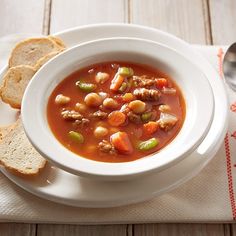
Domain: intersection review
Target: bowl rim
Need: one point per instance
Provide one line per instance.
(120, 166)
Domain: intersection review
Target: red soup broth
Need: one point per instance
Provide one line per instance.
(134, 126)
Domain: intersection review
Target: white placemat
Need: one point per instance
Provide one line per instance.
(208, 197)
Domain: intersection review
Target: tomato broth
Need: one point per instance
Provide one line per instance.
(116, 111)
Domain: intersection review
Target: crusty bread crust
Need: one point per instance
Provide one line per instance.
(14, 83)
(45, 59)
(17, 154)
(58, 41)
(29, 51)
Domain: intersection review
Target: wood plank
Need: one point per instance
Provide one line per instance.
(223, 18)
(80, 12)
(12, 229)
(21, 16)
(183, 18)
(233, 229)
(180, 229)
(65, 230)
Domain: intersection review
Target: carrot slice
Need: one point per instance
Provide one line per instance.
(116, 118)
(162, 82)
(117, 82)
(121, 142)
(150, 127)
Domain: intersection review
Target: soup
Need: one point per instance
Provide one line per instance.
(116, 111)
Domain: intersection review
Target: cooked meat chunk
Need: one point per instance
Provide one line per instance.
(147, 94)
(99, 114)
(107, 147)
(71, 115)
(134, 118)
(144, 81)
(80, 123)
(167, 121)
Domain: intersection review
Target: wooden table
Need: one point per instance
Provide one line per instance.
(196, 21)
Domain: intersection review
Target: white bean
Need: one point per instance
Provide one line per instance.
(164, 108)
(100, 132)
(137, 106)
(61, 99)
(103, 95)
(80, 107)
(110, 103)
(101, 77)
(93, 100)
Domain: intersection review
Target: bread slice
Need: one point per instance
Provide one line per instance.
(17, 154)
(45, 59)
(4, 130)
(14, 83)
(58, 41)
(29, 51)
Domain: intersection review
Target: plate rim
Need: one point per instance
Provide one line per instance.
(208, 153)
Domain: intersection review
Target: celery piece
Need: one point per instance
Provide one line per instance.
(123, 87)
(126, 71)
(86, 87)
(149, 144)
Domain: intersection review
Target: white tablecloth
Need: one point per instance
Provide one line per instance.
(208, 197)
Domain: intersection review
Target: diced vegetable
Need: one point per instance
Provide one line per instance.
(171, 91)
(148, 145)
(137, 106)
(162, 82)
(100, 132)
(150, 128)
(117, 82)
(126, 71)
(164, 108)
(121, 142)
(61, 99)
(110, 103)
(123, 87)
(86, 87)
(76, 137)
(116, 118)
(128, 97)
(167, 121)
(93, 100)
(146, 116)
(101, 77)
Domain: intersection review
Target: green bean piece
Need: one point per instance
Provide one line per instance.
(86, 87)
(126, 71)
(149, 144)
(146, 116)
(123, 87)
(76, 137)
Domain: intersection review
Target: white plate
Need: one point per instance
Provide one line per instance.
(59, 186)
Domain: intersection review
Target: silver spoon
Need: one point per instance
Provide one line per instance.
(229, 66)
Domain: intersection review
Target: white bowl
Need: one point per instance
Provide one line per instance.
(191, 80)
